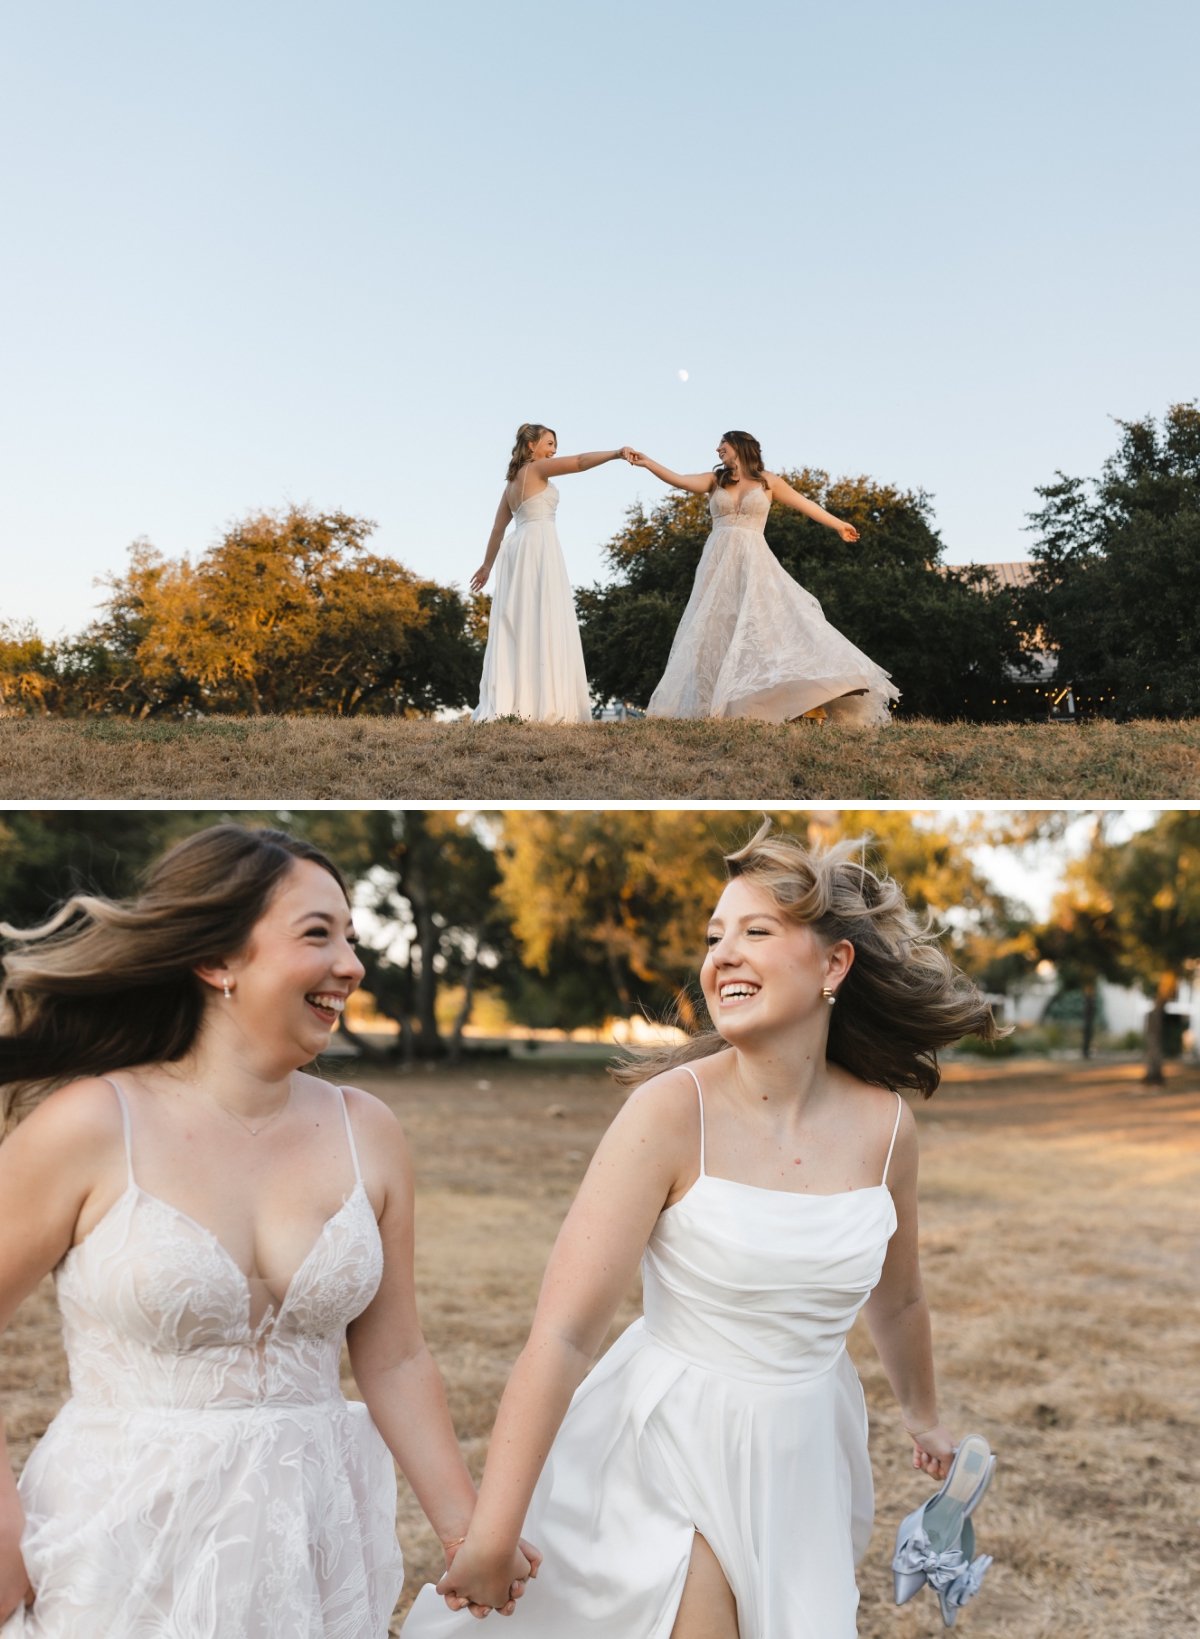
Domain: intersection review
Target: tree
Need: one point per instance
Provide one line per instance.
(946, 642)
(1085, 943)
(427, 881)
(45, 857)
(286, 613)
(1117, 580)
(1151, 887)
(608, 909)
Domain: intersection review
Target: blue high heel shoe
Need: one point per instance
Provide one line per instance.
(936, 1543)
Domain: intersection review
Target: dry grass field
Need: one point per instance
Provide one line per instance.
(373, 759)
(1061, 1237)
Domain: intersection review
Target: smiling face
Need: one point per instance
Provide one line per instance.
(727, 454)
(764, 973)
(290, 983)
(546, 446)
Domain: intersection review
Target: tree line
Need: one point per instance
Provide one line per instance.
(571, 919)
(291, 613)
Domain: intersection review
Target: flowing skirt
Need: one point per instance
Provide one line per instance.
(654, 1448)
(263, 1522)
(533, 666)
(754, 643)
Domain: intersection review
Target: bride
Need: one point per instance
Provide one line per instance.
(533, 665)
(752, 641)
(207, 1477)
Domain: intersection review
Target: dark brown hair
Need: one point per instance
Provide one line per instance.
(902, 999)
(749, 454)
(109, 983)
(528, 434)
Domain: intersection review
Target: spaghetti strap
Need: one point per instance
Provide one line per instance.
(126, 1124)
(892, 1145)
(700, 1096)
(350, 1136)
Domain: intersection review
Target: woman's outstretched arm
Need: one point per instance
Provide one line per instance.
(555, 466)
(898, 1316)
(789, 497)
(503, 519)
(590, 1270)
(698, 482)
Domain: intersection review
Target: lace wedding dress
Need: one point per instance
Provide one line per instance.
(533, 665)
(207, 1479)
(731, 1408)
(754, 643)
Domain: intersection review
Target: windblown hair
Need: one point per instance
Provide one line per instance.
(750, 459)
(108, 983)
(528, 434)
(902, 999)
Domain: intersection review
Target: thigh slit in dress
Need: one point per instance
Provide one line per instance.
(731, 1408)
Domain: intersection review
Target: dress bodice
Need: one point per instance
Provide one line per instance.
(542, 505)
(750, 512)
(762, 1283)
(156, 1313)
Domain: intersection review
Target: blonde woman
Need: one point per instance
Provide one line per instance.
(753, 642)
(709, 1478)
(217, 1222)
(533, 665)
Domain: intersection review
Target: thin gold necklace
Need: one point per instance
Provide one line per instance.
(253, 1131)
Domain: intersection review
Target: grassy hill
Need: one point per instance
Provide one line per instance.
(398, 760)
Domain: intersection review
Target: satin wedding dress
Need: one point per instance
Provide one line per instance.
(207, 1479)
(533, 664)
(754, 643)
(731, 1408)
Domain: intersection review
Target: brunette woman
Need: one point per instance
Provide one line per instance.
(217, 1221)
(752, 641)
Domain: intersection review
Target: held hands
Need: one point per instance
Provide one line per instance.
(478, 1582)
(933, 1452)
(635, 457)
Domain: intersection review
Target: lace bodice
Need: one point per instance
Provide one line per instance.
(750, 512)
(156, 1314)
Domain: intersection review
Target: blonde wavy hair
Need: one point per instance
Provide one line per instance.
(528, 434)
(902, 999)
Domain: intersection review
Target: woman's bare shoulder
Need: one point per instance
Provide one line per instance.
(74, 1122)
(667, 1103)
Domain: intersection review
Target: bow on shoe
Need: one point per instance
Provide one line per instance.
(967, 1583)
(947, 1573)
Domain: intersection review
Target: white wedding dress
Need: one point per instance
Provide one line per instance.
(754, 643)
(533, 664)
(731, 1408)
(206, 1479)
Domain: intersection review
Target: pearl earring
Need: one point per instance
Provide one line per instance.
(228, 992)
(829, 995)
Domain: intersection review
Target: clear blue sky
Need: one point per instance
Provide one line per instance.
(333, 253)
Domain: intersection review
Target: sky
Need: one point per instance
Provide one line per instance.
(258, 254)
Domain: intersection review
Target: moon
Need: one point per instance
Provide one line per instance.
(683, 375)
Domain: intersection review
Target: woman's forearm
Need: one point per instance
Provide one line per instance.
(904, 1341)
(596, 458)
(535, 1402)
(408, 1406)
